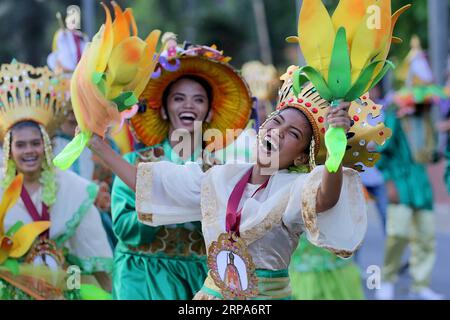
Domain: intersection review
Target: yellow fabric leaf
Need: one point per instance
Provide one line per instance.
(387, 47)
(106, 44)
(74, 95)
(349, 14)
(292, 39)
(147, 65)
(397, 40)
(385, 52)
(121, 28)
(3, 256)
(25, 236)
(123, 65)
(9, 199)
(96, 112)
(318, 35)
(370, 40)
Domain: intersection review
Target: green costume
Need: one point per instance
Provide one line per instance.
(399, 166)
(410, 221)
(154, 263)
(318, 274)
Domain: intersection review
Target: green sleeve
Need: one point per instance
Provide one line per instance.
(388, 149)
(126, 226)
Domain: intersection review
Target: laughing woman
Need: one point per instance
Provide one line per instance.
(258, 211)
(31, 107)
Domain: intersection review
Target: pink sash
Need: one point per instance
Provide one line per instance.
(233, 217)
(32, 211)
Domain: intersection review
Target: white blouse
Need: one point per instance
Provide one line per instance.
(271, 222)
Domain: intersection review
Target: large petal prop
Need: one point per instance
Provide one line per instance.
(345, 54)
(109, 79)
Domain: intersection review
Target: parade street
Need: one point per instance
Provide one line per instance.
(371, 253)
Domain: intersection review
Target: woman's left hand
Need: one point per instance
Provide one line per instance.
(338, 117)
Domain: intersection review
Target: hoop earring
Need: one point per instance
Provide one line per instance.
(312, 156)
(48, 150)
(6, 151)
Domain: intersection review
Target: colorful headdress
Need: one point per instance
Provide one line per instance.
(418, 81)
(362, 133)
(31, 94)
(231, 100)
(28, 93)
(111, 75)
(346, 54)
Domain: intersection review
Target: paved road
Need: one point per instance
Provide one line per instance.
(371, 253)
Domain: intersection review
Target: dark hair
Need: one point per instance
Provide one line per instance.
(25, 124)
(205, 84)
(306, 118)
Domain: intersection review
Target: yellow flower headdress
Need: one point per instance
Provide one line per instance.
(361, 134)
(346, 54)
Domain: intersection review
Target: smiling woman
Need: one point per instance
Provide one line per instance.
(185, 100)
(27, 149)
(31, 109)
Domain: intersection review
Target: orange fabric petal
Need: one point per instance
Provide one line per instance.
(93, 108)
(131, 22)
(120, 25)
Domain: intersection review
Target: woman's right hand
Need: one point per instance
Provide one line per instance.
(114, 161)
(98, 144)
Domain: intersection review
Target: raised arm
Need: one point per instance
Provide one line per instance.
(330, 188)
(126, 171)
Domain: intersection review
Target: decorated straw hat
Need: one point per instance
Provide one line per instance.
(231, 98)
(362, 133)
(28, 93)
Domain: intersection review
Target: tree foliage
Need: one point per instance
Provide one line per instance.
(27, 26)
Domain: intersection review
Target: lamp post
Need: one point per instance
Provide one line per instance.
(88, 14)
(438, 38)
(263, 31)
(298, 4)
